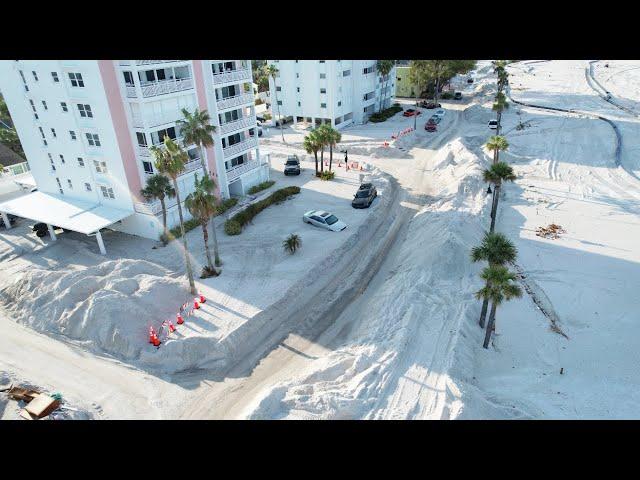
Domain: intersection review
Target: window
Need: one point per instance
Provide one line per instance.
(76, 79)
(297, 75)
(368, 70)
(340, 103)
(87, 187)
(59, 185)
(42, 133)
(55, 77)
(73, 135)
(70, 184)
(299, 104)
(80, 162)
(278, 89)
(142, 139)
(62, 158)
(298, 89)
(323, 75)
(64, 107)
(323, 105)
(85, 110)
(44, 104)
(35, 76)
(24, 80)
(101, 167)
(234, 162)
(53, 132)
(321, 61)
(148, 168)
(107, 192)
(279, 102)
(323, 90)
(93, 139)
(346, 73)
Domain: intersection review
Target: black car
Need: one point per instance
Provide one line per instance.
(292, 166)
(429, 105)
(457, 96)
(365, 195)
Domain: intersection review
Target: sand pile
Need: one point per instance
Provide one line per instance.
(108, 305)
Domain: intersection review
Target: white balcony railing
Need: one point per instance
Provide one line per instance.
(238, 100)
(240, 75)
(235, 172)
(144, 151)
(233, 150)
(162, 87)
(154, 120)
(235, 125)
(151, 62)
(131, 92)
(154, 207)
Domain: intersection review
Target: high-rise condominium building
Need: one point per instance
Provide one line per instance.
(340, 92)
(87, 126)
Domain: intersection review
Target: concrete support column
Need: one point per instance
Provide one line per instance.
(5, 219)
(103, 250)
(52, 234)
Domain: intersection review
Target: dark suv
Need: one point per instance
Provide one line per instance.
(292, 166)
(365, 195)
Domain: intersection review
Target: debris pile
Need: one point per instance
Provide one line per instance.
(552, 231)
(36, 405)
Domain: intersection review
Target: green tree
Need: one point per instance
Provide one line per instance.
(496, 144)
(312, 144)
(159, 187)
(203, 205)
(384, 67)
(272, 71)
(170, 161)
(330, 137)
(196, 128)
(292, 243)
(497, 174)
(496, 249)
(10, 139)
(499, 106)
(499, 287)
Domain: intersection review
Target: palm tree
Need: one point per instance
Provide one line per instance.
(196, 129)
(384, 67)
(170, 161)
(498, 287)
(496, 174)
(311, 144)
(292, 243)
(330, 137)
(203, 205)
(418, 76)
(499, 106)
(496, 249)
(159, 187)
(272, 71)
(496, 144)
(323, 137)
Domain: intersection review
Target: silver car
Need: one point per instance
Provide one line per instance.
(322, 219)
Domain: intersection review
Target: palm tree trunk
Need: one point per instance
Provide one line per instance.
(192, 285)
(330, 156)
(492, 321)
(315, 154)
(499, 126)
(278, 107)
(202, 164)
(483, 312)
(415, 117)
(322, 160)
(494, 207)
(216, 253)
(435, 95)
(495, 156)
(205, 235)
(165, 232)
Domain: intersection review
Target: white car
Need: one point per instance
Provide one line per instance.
(323, 219)
(440, 112)
(493, 124)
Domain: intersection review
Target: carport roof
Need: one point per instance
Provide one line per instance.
(67, 213)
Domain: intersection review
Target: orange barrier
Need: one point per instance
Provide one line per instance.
(179, 320)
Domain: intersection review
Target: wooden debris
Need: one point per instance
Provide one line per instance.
(24, 394)
(551, 231)
(42, 405)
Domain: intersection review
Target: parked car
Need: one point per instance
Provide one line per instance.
(430, 127)
(258, 128)
(493, 124)
(410, 112)
(439, 113)
(457, 96)
(260, 119)
(435, 120)
(365, 195)
(469, 80)
(322, 219)
(292, 165)
(429, 105)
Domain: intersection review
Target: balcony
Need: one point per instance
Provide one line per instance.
(237, 148)
(240, 75)
(144, 150)
(153, 121)
(235, 125)
(238, 100)
(236, 172)
(152, 89)
(152, 62)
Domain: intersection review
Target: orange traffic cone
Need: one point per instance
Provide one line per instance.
(171, 327)
(196, 305)
(202, 299)
(155, 340)
(151, 334)
(179, 320)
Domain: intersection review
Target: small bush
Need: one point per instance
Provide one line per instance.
(234, 225)
(383, 115)
(261, 186)
(267, 116)
(227, 204)
(193, 222)
(327, 175)
(259, 101)
(292, 243)
(446, 95)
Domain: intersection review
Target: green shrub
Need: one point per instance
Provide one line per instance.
(227, 204)
(267, 116)
(446, 95)
(234, 225)
(261, 186)
(231, 227)
(193, 222)
(383, 115)
(259, 101)
(327, 175)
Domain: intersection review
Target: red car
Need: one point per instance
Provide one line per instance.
(410, 112)
(430, 127)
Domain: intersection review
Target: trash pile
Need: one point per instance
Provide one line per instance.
(552, 231)
(36, 405)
